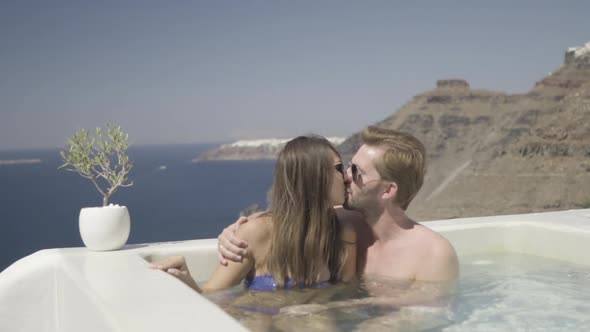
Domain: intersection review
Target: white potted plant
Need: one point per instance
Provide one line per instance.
(103, 160)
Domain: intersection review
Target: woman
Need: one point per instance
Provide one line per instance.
(299, 241)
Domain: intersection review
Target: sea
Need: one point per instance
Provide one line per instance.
(172, 198)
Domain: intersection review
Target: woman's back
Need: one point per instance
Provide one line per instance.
(259, 232)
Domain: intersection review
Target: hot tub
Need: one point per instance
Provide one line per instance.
(73, 289)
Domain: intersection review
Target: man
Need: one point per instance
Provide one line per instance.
(383, 178)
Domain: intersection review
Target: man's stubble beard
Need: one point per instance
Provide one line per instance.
(365, 202)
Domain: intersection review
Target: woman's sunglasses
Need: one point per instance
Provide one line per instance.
(339, 168)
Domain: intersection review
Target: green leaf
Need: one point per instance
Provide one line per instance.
(100, 157)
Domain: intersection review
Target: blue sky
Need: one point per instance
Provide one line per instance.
(204, 71)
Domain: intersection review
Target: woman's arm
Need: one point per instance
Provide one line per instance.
(255, 232)
(258, 234)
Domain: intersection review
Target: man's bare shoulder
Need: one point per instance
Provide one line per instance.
(427, 233)
(438, 255)
(433, 242)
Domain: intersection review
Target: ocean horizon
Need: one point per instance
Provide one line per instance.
(172, 198)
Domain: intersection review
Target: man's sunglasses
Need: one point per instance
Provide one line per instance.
(355, 171)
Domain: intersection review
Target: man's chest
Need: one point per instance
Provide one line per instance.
(391, 262)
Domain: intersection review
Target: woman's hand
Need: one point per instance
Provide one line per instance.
(176, 266)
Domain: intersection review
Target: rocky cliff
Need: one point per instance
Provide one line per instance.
(494, 153)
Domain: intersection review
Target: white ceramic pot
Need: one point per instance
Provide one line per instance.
(104, 228)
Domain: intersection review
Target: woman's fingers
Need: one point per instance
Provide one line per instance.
(172, 262)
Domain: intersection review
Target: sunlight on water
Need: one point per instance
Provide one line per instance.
(522, 293)
(503, 292)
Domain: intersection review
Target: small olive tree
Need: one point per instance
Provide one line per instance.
(101, 158)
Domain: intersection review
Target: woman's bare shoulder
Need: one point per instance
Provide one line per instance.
(257, 228)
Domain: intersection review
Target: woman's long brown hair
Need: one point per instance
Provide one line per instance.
(306, 232)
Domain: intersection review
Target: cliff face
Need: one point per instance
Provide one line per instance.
(493, 153)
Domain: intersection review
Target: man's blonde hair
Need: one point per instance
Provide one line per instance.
(403, 161)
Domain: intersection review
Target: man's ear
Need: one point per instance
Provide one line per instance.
(390, 191)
